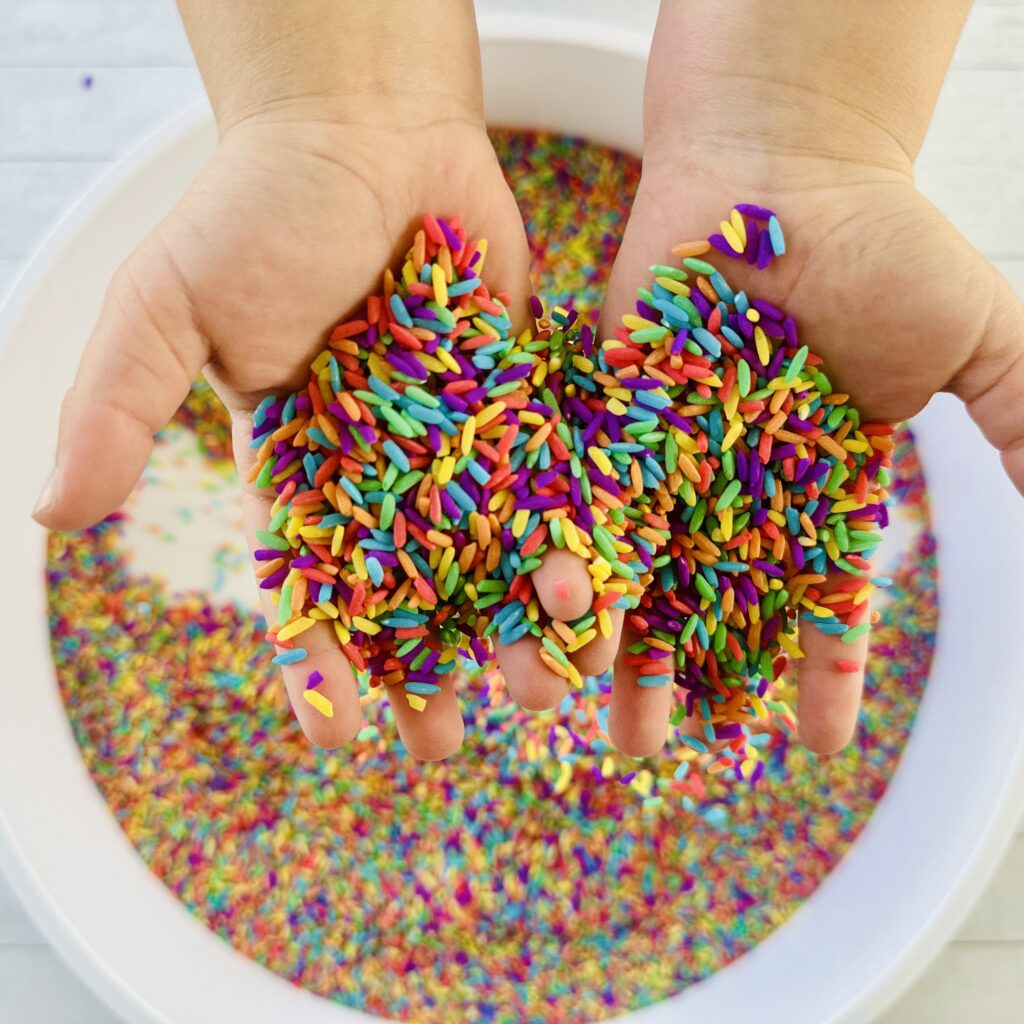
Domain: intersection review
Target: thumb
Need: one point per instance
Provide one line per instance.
(137, 368)
(992, 383)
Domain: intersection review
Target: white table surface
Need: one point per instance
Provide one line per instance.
(57, 137)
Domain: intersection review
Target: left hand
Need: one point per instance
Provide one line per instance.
(892, 297)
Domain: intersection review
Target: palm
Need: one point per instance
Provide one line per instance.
(876, 278)
(284, 233)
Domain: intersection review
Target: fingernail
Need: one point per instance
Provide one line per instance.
(47, 496)
(561, 590)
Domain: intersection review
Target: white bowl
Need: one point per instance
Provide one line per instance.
(860, 939)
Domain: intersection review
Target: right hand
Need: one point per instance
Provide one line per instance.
(282, 235)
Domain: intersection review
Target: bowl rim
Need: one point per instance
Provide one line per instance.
(942, 430)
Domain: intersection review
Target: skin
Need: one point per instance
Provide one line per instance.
(338, 130)
(339, 127)
(822, 124)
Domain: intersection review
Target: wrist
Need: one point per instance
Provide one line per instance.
(341, 111)
(792, 91)
(381, 63)
(785, 140)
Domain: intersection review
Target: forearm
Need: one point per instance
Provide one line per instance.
(843, 80)
(399, 60)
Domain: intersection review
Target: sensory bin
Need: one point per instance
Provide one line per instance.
(534, 877)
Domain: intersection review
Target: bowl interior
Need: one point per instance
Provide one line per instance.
(94, 896)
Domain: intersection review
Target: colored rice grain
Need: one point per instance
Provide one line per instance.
(425, 469)
(518, 882)
(703, 460)
(489, 887)
(770, 485)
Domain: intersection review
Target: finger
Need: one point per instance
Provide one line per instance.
(638, 715)
(138, 366)
(992, 384)
(429, 735)
(830, 676)
(436, 731)
(334, 720)
(533, 684)
(565, 591)
(562, 585)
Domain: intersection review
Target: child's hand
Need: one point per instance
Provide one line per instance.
(881, 285)
(341, 125)
(283, 234)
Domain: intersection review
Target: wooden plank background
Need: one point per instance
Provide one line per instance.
(57, 137)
